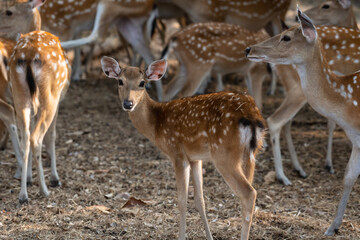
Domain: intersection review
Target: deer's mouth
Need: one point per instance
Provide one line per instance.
(260, 58)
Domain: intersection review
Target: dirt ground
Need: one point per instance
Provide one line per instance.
(103, 162)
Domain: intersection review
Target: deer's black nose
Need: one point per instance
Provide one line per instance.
(247, 51)
(128, 104)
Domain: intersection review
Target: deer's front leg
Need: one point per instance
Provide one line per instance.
(196, 170)
(182, 173)
(351, 175)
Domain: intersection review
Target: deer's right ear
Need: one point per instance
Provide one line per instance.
(307, 27)
(110, 67)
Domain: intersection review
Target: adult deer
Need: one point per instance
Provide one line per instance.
(220, 47)
(225, 128)
(341, 47)
(335, 97)
(39, 74)
(333, 13)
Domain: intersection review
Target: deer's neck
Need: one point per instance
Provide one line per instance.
(144, 117)
(319, 82)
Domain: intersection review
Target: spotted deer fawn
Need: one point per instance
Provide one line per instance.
(336, 97)
(341, 48)
(225, 128)
(220, 47)
(39, 74)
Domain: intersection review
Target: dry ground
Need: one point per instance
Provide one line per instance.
(103, 160)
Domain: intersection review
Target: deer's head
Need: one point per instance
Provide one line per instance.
(132, 80)
(293, 46)
(331, 13)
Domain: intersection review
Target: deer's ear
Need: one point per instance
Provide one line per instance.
(307, 27)
(36, 3)
(110, 67)
(156, 70)
(345, 3)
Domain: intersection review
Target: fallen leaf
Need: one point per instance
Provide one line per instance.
(132, 202)
(98, 208)
(269, 177)
(109, 195)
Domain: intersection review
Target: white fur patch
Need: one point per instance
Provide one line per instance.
(245, 135)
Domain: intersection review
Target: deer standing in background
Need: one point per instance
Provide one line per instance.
(129, 17)
(249, 14)
(342, 49)
(336, 97)
(39, 74)
(7, 114)
(17, 17)
(225, 128)
(220, 47)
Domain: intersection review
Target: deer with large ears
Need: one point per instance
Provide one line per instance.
(225, 128)
(333, 13)
(335, 97)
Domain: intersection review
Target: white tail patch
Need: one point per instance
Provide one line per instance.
(245, 135)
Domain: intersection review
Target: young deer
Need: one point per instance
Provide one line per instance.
(333, 13)
(39, 74)
(341, 48)
(220, 47)
(225, 128)
(335, 97)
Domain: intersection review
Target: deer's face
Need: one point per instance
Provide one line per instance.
(132, 80)
(18, 16)
(293, 46)
(330, 13)
(131, 87)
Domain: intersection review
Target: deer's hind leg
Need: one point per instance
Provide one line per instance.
(44, 120)
(231, 168)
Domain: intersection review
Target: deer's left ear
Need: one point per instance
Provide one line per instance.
(156, 70)
(307, 27)
(36, 3)
(345, 3)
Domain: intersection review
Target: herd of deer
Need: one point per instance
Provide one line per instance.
(317, 65)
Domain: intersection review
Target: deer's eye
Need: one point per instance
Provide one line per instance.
(120, 82)
(286, 38)
(142, 84)
(5, 61)
(8, 13)
(325, 6)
